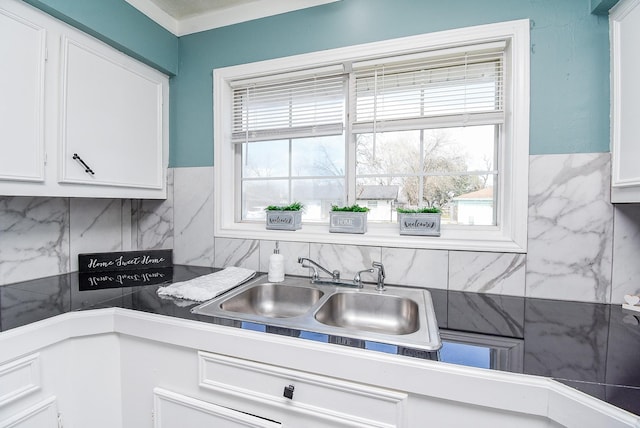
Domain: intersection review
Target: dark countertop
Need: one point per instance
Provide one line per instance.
(591, 347)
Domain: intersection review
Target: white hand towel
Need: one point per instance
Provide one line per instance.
(207, 287)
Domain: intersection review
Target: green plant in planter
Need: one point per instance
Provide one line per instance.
(296, 206)
(430, 210)
(353, 209)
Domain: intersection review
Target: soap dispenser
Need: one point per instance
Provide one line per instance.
(276, 265)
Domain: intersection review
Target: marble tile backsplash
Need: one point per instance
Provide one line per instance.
(580, 246)
(34, 238)
(193, 216)
(94, 221)
(570, 233)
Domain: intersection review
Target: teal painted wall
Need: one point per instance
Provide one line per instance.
(602, 7)
(120, 25)
(569, 61)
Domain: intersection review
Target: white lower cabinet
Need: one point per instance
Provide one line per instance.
(300, 399)
(172, 410)
(41, 415)
(21, 405)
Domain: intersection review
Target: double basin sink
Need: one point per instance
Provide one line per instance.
(396, 316)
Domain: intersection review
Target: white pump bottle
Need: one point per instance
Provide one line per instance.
(276, 265)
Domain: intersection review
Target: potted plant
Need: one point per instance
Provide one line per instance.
(351, 219)
(288, 217)
(419, 221)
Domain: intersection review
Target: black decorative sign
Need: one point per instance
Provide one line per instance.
(129, 278)
(124, 260)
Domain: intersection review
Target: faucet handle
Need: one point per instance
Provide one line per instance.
(314, 275)
(358, 280)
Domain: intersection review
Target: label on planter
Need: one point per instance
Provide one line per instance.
(124, 260)
(425, 224)
(347, 222)
(284, 220)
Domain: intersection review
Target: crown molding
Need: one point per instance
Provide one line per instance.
(223, 17)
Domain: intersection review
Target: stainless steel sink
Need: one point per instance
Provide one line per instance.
(378, 313)
(273, 300)
(397, 316)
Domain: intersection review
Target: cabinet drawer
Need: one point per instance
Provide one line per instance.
(19, 378)
(175, 410)
(42, 415)
(313, 394)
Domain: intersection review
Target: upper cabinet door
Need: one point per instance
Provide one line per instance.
(111, 118)
(625, 101)
(23, 53)
(78, 118)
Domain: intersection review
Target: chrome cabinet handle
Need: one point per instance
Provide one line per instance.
(86, 167)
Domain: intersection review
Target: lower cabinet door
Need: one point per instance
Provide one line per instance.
(42, 415)
(174, 410)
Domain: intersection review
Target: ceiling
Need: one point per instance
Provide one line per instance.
(185, 8)
(183, 17)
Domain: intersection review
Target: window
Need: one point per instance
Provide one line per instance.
(431, 124)
(434, 120)
(290, 133)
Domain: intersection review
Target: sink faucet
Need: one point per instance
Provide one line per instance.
(381, 275)
(357, 280)
(335, 275)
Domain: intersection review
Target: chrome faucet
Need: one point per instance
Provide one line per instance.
(381, 275)
(335, 275)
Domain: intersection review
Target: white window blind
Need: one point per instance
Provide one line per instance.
(461, 85)
(295, 108)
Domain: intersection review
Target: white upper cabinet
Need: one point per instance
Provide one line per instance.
(111, 118)
(82, 119)
(625, 101)
(21, 98)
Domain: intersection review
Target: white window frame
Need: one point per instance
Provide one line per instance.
(511, 233)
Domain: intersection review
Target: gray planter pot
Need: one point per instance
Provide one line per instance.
(347, 222)
(423, 224)
(284, 220)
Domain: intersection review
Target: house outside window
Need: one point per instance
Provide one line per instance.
(432, 119)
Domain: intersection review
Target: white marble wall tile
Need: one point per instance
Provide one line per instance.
(626, 252)
(152, 220)
(95, 227)
(570, 227)
(193, 216)
(237, 252)
(348, 259)
(290, 251)
(496, 273)
(423, 268)
(34, 238)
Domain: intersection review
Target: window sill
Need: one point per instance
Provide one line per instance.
(489, 239)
